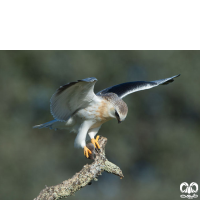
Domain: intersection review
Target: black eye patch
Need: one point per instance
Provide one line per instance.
(116, 114)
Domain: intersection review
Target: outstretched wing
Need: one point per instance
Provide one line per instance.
(69, 98)
(124, 89)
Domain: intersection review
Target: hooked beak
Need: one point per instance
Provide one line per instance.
(119, 121)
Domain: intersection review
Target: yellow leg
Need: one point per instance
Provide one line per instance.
(87, 152)
(95, 142)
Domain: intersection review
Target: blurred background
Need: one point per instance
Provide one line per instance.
(157, 146)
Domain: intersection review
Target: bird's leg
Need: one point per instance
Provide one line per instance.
(95, 142)
(87, 152)
(92, 133)
(81, 136)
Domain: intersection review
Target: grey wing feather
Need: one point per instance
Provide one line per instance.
(69, 98)
(46, 125)
(124, 89)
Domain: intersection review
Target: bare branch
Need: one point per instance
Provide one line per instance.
(84, 177)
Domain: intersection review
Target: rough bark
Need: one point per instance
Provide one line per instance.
(84, 177)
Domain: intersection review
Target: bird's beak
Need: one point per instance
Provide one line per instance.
(119, 121)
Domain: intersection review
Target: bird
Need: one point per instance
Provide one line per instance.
(77, 108)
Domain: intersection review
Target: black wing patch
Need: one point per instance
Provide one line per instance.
(124, 89)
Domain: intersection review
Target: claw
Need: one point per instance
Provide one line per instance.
(95, 142)
(87, 152)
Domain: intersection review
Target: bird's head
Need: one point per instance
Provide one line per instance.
(118, 108)
(121, 113)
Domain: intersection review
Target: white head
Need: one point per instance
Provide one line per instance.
(119, 109)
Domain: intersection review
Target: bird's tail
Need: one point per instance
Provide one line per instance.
(46, 125)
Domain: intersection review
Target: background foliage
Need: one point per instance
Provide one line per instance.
(157, 146)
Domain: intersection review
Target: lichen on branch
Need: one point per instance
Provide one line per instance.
(87, 174)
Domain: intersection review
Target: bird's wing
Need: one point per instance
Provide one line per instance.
(69, 98)
(124, 89)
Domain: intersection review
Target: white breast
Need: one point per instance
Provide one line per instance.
(98, 112)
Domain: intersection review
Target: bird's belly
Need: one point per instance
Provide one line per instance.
(93, 115)
(98, 113)
(98, 123)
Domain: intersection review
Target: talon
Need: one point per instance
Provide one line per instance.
(97, 138)
(95, 142)
(87, 152)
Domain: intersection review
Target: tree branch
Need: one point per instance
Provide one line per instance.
(84, 177)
